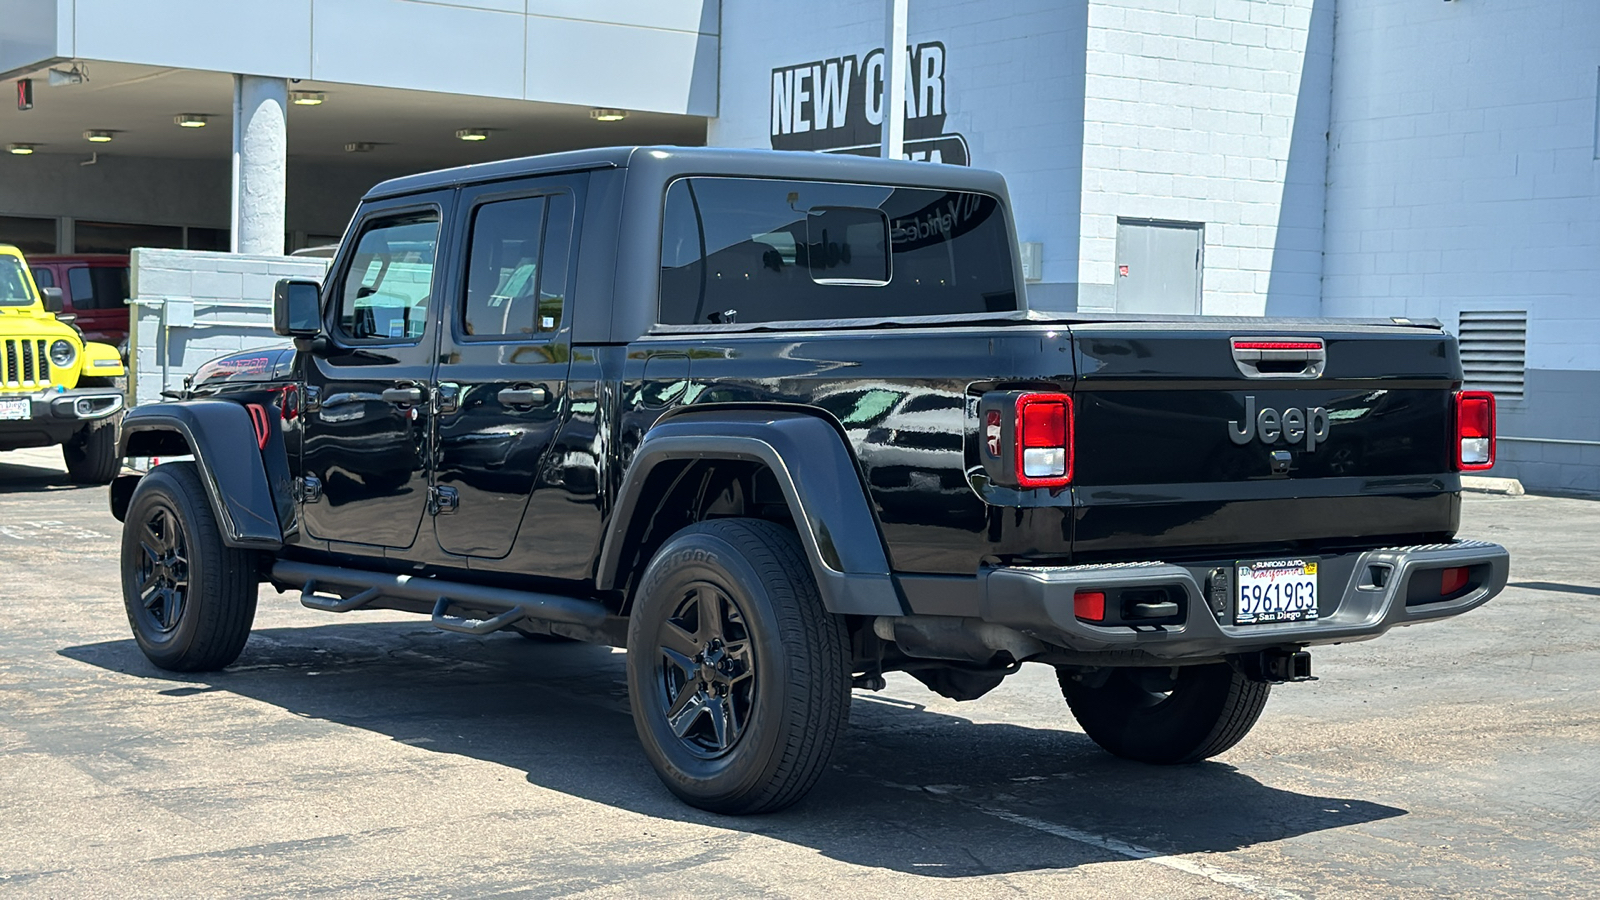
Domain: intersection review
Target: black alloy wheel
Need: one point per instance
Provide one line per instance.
(190, 598)
(739, 677)
(705, 670)
(162, 569)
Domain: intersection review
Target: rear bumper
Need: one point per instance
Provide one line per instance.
(1362, 596)
(1028, 612)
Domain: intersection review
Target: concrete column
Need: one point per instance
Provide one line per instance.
(894, 79)
(260, 163)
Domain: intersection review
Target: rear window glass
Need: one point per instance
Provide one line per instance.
(748, 250)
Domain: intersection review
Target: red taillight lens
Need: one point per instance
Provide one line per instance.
(1089, 606)
(1044, 440)
(1475, 427)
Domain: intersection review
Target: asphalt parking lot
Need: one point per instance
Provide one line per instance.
(370, 755)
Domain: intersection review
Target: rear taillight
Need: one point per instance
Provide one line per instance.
(1474, 440)
(1026, 438)
(1044, 440)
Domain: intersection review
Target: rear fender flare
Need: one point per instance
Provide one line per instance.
(222, 439)
(818, 476)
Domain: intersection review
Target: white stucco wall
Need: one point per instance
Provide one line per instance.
(1215, 112)
(1011, 84)
(649, 55)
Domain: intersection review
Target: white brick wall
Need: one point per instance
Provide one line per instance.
(191, 306)
(1463, 172)
(1210, 111)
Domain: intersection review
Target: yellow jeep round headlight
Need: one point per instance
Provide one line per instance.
(62, 353)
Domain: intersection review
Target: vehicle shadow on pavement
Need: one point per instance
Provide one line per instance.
(911, 790)
(20, 478)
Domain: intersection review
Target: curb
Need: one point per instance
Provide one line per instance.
(1482, 484)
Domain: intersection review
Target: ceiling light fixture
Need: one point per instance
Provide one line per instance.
(608, 115)
(359, 147)
(99, 136)
(190, 120)
(473, 134)
(20, 149)
(307, 98)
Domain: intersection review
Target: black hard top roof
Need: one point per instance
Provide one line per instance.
(664, 163)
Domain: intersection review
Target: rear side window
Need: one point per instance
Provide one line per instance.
(98, 287)
(384, 295)
(751, 250)
(517, 267)
(44, 278)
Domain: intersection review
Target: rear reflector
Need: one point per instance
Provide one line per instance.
(1454, 580)
(1475, 431)
(1044, 440)
(1089, 606)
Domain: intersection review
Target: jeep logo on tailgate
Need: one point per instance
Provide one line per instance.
(1291, 425)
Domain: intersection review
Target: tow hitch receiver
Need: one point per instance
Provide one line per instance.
(1277, 666)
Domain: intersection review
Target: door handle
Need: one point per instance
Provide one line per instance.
(405, 396)
(524, 396)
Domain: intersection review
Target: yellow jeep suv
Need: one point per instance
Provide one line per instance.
(55, 388)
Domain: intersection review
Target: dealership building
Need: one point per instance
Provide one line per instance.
(1406, 158)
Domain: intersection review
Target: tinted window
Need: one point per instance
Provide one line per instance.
(517, 267)
(120, 237)
(44, 278)
(384, 295)
(98, 287)
(752, 250)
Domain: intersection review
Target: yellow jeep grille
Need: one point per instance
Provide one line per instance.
(25, 362)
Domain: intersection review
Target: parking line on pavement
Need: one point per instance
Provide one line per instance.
(1246, 883)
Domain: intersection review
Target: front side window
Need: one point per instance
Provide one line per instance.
(98, 287)
(385, 292)
(44, 278)
(748, 250)
(517, 267)
(14, 287)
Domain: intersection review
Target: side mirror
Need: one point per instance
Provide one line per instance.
(297, 308)
(51, 296)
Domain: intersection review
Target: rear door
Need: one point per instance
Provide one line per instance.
(502, 374)
(1186, 445)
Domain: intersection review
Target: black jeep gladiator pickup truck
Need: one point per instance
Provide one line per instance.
(781, 423)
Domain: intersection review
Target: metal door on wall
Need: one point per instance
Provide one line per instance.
(1158, 267)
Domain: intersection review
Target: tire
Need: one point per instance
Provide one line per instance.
(91, 452)
(190, 599)
(755, 733)
(1154, 716)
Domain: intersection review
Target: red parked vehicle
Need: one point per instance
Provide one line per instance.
(94, 287)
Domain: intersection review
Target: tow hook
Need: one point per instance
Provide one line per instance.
(1277, 666)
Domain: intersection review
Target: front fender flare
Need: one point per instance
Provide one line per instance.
(808, 458)
(223, 441)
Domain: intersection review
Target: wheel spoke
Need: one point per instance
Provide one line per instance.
(150, 597)
(676, 641)
(684, 720)
(686, 696)
(710, 603)
(717, 707)
(174, 607)
(740, 654)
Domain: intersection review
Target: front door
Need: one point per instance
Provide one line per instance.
(502, 376)
(367, 415)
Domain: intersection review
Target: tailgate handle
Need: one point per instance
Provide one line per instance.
(1280, 357)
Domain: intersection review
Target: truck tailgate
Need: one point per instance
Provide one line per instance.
(1187, 444)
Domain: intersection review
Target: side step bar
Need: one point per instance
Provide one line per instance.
(368, 588)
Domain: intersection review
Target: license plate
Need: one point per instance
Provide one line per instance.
(1280, 590)
(20, 408)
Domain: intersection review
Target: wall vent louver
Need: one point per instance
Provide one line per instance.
(1494, 346)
